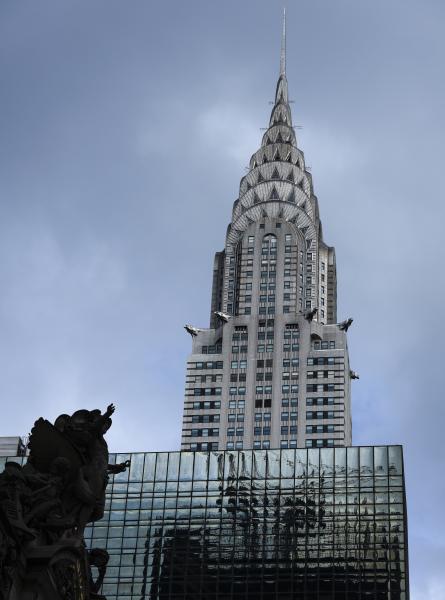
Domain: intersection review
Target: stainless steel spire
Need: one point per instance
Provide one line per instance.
(283, 46)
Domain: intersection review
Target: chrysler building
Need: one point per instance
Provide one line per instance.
(272, 371)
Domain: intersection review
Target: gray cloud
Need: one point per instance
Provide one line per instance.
(125, 129)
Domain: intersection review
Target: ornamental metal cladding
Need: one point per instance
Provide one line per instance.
(302, 524)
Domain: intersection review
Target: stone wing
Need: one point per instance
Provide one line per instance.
(47, 443)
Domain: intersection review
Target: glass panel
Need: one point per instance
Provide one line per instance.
(201, 466)
(366, 461)
(395, 460)
(381, 460)
(313, 458)
(259, 464)
(173, 466)
(161, 466)
(300, 463)
(245, 466)
(186, 470)
(136, 467)
(231, 465)
(327, 462)
(273, 464)
(287, 463)
(149, 467)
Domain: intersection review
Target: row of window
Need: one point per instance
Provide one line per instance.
(238, 431)
(285, 416)
(205, 418)
(210, 404)
(292, 430)
(216, 364)
(324, 360)
(216, 404)
(204, 446)
(204, 378)
(320, 401)
(261, 430)
(214, 391)
(322, 428)
(204, 432)
(211, 349)
(322, 414)
(323, 374)
(323, 387)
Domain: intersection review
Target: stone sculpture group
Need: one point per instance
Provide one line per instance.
(45, 506)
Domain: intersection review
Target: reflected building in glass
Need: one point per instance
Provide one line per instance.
(272, 524)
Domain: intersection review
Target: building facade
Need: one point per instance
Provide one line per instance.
(278, 524)
(273, 369)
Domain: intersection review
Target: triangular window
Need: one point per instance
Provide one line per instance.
(256, 198)
(276, 155)
(279, 139)
(289, 157)
(290, 176)
(291, 197)
(265, 159)
(301, 184)
(260, 177)
(275, 174)
(274, 194)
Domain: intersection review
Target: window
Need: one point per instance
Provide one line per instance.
(288, 238)
(284, 430)
(256, 445)
(251, 239)
(266, 444)
(257, 431)
(285, 416)
(286, 309)
(266, 430)
(231, 417)
(242, 364)
(229, 445)
(258, 416)
(284, 444)
(239, 445)
(267, 416)
(230, 431)
(239, 431)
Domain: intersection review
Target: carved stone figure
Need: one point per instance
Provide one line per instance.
(46, 504)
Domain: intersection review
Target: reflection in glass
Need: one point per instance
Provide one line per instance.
(285, 524)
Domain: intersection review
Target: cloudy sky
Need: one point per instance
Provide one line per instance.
(125, 128)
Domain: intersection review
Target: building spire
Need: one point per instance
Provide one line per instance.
(283, 46)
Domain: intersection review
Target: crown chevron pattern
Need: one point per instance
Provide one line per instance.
(278, 184)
